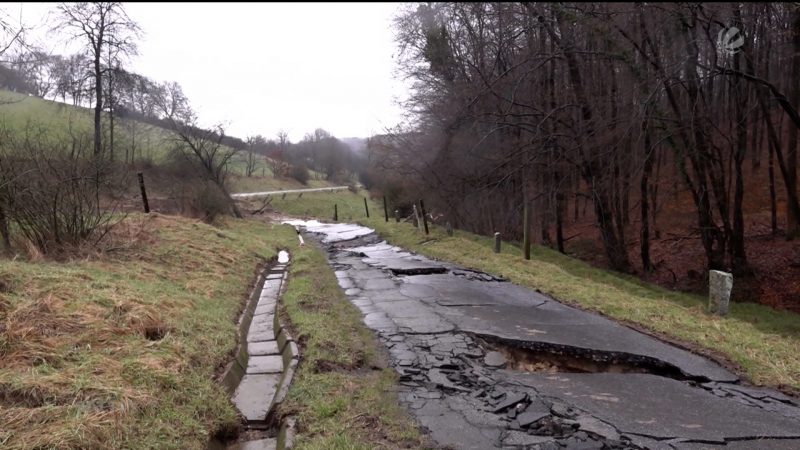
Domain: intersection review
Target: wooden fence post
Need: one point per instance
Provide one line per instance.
(424, 217)
(366, 208)
(526, 239)
(335, 213)
(144, 192)
(385, 210)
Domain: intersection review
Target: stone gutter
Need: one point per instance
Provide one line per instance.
(266, 357)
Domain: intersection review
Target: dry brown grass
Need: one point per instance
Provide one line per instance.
(116, 347)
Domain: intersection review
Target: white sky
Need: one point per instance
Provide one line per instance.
(260, 67)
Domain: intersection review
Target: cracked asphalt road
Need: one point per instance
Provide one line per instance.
(487, 364)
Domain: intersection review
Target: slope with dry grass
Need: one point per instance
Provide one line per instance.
(119, 348)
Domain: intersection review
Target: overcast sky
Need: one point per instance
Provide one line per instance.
(260, 68)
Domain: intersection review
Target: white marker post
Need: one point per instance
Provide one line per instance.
(719, 292)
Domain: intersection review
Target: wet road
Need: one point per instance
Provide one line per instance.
(484, 363)
(287, 191)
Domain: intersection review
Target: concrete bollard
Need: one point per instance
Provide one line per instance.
(397, 215)
(719, 292)
(449, 229)
(497, 242)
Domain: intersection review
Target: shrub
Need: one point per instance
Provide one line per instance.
(209, 201)
(196, 195)
(300, 173)
(51, 190)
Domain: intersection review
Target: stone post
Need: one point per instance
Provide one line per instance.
(719, 292)
(416, 216)
(497, 242)
(397, 215)
(449, 229)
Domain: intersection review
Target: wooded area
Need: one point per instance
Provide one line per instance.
(622, 108)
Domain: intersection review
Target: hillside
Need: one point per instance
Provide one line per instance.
(144, 144)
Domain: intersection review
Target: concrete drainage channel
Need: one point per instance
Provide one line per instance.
(259, 377)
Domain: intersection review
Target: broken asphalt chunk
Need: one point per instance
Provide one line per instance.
(495, 359)
(510, 400)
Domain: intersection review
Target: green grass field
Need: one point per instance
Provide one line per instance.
(21, 113)
(761, 343)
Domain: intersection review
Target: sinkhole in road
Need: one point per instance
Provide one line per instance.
(532, 356)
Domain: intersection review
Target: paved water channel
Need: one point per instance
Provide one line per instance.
(486, 364)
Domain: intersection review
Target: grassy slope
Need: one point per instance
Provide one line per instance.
(762, 342)
(320, 204)
(77, 369)
(342, 395)
(19, 111)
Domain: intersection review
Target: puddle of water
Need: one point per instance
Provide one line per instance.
(333, 232)
(283, 257)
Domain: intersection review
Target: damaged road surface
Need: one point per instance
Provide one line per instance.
(484, 364)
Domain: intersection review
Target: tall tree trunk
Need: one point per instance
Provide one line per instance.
(591, 169)
(773, 207)
(559, 213)
(714, 241)
(98, 106)
(654, 194)
(792, 214)
(643, 191)
(792, 199)
(740, 90)
(110, 130)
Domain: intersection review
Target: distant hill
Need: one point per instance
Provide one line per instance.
(356, 144)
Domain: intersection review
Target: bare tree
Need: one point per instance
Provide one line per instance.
(105, 29)
(250, 160)
(200, 147)
(517, 104)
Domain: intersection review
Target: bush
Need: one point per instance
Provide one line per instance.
(209, 201)
(189, 186)
(300, 173)
(51, 191)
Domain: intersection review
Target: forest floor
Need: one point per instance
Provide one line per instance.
(677, 252)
